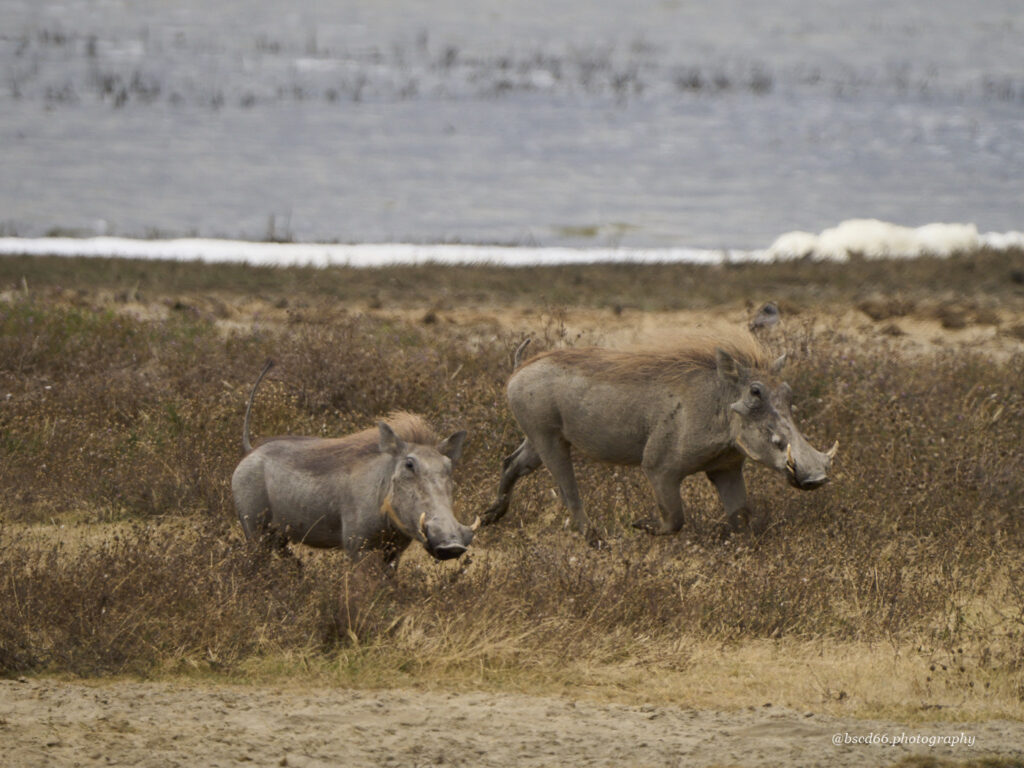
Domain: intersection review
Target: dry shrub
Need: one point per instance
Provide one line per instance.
(155, 595)
(884, 307)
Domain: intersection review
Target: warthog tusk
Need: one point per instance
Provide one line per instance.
(476, 524)
(790, 464)
(423, 524)
(833, 450)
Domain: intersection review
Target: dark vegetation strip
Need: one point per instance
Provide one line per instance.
(646, 287)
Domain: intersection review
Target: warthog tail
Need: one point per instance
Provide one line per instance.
(517, 360)
(246, 443)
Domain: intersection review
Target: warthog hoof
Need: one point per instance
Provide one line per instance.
(744, 519)
(495, 512)
(654, 526)
(739, 519)
(758, 523)
(725, 531)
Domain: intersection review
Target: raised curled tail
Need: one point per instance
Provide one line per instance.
(517, 359)
(246, 444)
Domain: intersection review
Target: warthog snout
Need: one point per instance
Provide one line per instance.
(443, 541)
(447, 551)
(810, 474)
(808, 483)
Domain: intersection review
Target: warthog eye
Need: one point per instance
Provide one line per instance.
(410, 465)
(757, 390)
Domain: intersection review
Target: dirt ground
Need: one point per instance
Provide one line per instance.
(48, 722)
(52, 723)
(929, 328)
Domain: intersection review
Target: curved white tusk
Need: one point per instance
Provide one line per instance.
(833, 450)
(476, 524)
(789, 455)
(423, 524)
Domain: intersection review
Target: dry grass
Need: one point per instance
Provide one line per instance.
(899, 588)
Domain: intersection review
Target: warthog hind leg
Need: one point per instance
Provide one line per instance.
(519, 463)
(554, 451)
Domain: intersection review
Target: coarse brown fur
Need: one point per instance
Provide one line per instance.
(695, 352)
(332, 452)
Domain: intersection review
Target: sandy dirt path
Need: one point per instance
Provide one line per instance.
(53, 723)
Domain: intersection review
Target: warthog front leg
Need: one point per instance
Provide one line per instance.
(733, 492)
(519, 463)
(665, 483)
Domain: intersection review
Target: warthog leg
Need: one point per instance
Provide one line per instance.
(555, 451)
(665, 483)
(270, 539)
(733, 492)
(519, 463)
(260, 530)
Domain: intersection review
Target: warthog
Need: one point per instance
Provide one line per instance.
(378, 489)
(705, 407)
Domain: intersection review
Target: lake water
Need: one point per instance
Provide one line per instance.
(642, 124)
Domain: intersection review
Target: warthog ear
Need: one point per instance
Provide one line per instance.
(452, 446)
(786, 395)
(728, 369)
(389, 441)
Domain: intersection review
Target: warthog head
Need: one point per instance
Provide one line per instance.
(418, 501)
(763, 428)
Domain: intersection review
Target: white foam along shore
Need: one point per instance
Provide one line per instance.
(869, 237)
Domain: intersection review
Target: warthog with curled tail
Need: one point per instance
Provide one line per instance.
(379, 489)
(707, 406)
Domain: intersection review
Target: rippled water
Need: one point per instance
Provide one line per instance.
(647, 124)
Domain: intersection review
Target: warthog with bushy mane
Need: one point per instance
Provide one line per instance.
(379, 489)
(706, 406)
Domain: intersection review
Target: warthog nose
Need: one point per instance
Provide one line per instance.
(810, 483)
(448, 551)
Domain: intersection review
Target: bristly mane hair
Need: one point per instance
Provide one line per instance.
(323, 454)
(411, 427)
(696, 352)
